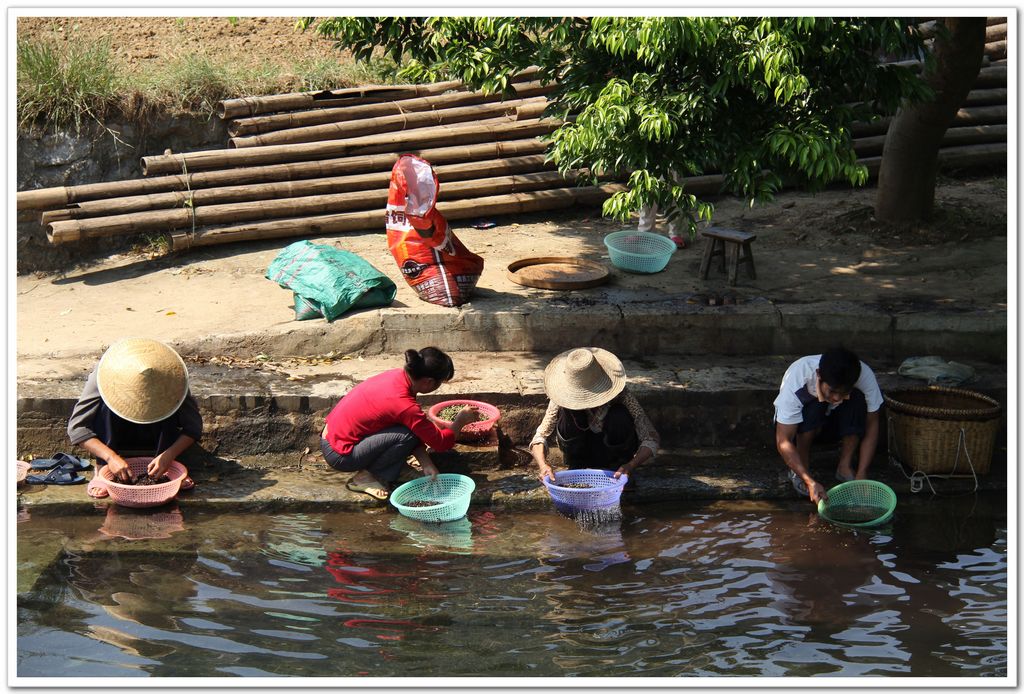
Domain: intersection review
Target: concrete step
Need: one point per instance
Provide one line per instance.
(809, 293)
(299, 483)
(256, 407)
(665, 325)
(629, 323)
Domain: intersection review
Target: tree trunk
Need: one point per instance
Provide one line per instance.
(906, 181)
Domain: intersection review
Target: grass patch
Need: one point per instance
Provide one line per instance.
(194, 83)
(153, 245)
(62, 86)
(336, 72)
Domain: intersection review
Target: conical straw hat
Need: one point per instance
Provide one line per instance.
(141, 380)
(584, 378)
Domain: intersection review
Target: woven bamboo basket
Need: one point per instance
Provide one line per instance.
(926, 426)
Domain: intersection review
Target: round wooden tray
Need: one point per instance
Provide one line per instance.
(557, 273)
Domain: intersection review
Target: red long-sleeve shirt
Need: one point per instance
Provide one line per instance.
(377, 403)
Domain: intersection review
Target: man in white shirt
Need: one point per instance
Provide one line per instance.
(833, 394)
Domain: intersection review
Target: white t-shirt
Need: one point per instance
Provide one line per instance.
(803, 373)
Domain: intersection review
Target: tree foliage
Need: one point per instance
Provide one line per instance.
(762, 100)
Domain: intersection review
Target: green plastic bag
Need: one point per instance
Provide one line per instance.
(328, 281)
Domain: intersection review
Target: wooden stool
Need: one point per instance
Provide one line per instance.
(717, 239)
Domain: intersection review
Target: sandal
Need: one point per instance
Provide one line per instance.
(798, 484)
(370, 488)
(679, 241)
(187, 484)
(58, 475)
(64, 460)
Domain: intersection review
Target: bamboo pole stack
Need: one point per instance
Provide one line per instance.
(519, 109)
(53, 198)
(483, 148)
(298, 119)
(320, 162)
(517, 203)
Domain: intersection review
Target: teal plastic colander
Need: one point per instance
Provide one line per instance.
(858, 504)
(448, 494)
(639, 251)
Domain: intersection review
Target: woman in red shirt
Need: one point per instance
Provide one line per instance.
(378, 424)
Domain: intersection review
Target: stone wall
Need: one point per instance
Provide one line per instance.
(93, 155)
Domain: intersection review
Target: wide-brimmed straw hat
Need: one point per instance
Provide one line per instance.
(584, 378)
(142, 380)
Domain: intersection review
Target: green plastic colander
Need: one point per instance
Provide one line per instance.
(448, 496)
(858, 504)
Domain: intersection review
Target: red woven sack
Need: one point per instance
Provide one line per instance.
(431, 258)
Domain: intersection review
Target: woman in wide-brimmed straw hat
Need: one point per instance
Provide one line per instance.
(596, 421)
(136, 402)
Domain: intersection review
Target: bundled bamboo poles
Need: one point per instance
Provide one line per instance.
(519, 109)
(995, 32)
(291, 189)
(978, 115)
(299, 119)
(178, 218)
(326, 168)
(251, 106)
(519, 203)
(954, 157)
(254, 105)
(949, 157)
(992, 76)
(954, 137)
(370, 144)
(986, 97)
(51, 198)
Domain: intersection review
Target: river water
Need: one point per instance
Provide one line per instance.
(729, 589)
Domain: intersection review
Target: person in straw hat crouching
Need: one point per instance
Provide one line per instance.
(136, 401)
(596, 421)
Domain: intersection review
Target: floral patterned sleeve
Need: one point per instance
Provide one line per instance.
(644, 429)
(547, 426)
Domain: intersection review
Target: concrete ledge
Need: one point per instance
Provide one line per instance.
(979, 334)
(301, 483)
(666, 325)
(808, 327)
(279, 408)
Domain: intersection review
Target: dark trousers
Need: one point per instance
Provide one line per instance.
(582, 448)
(848, 418)
(128, 438)
(382, 454)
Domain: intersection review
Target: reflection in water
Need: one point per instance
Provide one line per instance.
(454, 535)
(726, 589)
(142, 524)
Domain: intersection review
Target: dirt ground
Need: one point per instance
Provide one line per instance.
(810, 248)
(141, 42)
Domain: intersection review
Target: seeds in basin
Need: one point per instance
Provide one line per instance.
(449, 413)
(144, 480)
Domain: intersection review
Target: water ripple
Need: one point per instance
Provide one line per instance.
(674, 593)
